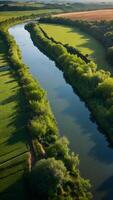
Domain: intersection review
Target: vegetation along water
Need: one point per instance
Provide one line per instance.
(69, 112)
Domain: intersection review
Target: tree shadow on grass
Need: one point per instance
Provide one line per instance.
(9, 100)
(16, 191)
(88, 40)
(19, 116)
(11, 81)
(5, 74)
(97, 54)
(18, 119)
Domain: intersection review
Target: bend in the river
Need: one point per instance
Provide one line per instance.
(96, 158)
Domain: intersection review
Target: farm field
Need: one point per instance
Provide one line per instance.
(89, 15)
(80, 40)
(13, 137)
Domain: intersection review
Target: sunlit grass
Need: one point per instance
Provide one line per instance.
(82, 41)
(13, 136)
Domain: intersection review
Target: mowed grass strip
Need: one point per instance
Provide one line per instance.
(13, 136)
(80, 40)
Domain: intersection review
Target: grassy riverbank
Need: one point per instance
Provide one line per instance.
(80, 40)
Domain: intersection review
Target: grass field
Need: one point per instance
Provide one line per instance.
(82, 41)
(7, 15)
(13, 136)
(89, 15)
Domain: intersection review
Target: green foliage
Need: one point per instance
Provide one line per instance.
(105, 89)
(59, 149)
(47, 176)
(51, 179)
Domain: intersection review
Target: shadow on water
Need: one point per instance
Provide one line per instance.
(87, 126)
(107, 186)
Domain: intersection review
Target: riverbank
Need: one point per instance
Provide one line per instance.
(90, 93)
(78, 39)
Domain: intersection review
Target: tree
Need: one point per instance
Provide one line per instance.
(47, 176)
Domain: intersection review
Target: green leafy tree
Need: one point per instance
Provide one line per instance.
(47, 176)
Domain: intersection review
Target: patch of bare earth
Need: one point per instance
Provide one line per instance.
(89, 15)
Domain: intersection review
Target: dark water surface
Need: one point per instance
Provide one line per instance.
(73, 117)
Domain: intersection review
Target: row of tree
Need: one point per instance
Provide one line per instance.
(93, 85)
(55, 174)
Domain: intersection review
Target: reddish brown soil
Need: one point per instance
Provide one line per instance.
(89, 15)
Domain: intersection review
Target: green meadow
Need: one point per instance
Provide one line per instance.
(80, 40)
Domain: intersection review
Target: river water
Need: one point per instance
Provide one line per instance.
(73, 117)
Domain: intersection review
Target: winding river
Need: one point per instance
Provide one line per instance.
(73, 117)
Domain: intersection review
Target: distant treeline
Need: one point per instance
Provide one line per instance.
(9, 7)
(64, 7)
(55, 174)
(93, 85)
